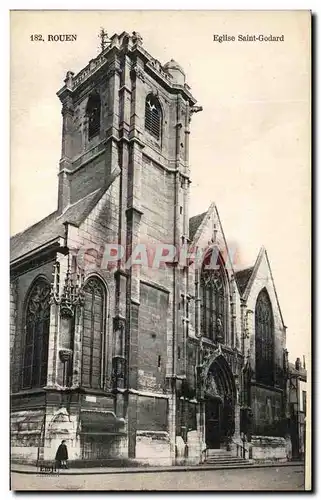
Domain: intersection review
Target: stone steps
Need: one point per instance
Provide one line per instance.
(227, 461)
(225, 458)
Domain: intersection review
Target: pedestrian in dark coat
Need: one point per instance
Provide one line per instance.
(62, 455)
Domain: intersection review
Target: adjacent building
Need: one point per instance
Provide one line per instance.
(297, 390)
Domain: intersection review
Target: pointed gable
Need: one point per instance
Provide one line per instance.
(201, 226)
(206, 229)
(261, 277)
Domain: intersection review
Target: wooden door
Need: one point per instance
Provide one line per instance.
(213, 423)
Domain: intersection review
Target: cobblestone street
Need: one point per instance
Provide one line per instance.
(289, 478)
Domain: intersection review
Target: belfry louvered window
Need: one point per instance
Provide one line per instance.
(153, 116)
(93, 340)
(36, 335)
(93, 114)
(264, 341)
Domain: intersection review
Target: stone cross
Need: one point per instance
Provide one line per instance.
(103, 35)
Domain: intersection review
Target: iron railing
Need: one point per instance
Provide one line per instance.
(241, 450)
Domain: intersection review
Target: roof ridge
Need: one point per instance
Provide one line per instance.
(71, 205)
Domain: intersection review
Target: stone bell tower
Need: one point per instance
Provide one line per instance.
(127, 112)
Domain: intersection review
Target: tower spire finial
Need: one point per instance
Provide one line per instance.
(103, 35)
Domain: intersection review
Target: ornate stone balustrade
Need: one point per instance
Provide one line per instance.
(123, 41)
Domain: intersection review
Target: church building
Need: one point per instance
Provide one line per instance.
(132, 337)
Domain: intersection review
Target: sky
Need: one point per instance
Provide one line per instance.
(249, 147)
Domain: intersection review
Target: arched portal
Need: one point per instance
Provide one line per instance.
(220, 398)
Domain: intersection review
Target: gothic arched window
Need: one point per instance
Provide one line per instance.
(213, 304)
(35, 361)
(93, 114)
(153, 116)
(93, 340)
(264, 341)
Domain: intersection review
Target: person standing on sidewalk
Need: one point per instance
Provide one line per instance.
(62, 455)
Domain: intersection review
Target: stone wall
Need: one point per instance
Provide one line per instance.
(87, 179)
(152, 413)
(180, 451)
(152, 348)
(60, 424)
(103, 447)
(267, 411)
(87, 244)
(268, 449)
(36, 435)
(157, 225)
(194, 448)
(153, 448)
(27, 432)
(99, 228)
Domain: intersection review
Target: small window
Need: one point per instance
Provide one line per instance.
(93, 114)
(153, 116)
(304, 402)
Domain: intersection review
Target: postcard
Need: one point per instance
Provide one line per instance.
(160, 254)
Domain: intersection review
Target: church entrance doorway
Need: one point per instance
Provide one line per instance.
(220, 396)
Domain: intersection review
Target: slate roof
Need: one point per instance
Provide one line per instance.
(194, 224)
(35, 236)
(242, 278)
(52, 226)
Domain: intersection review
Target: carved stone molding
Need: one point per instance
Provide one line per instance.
(68, 295)
(69, 79)
(210, 387)
(138, 72)
(210, 353)
(67, 107)
(119, 323)
(65, 355)
(118, 372)
(137, 38)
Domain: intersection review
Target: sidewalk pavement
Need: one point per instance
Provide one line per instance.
(33, 469)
